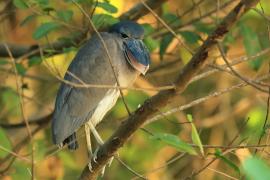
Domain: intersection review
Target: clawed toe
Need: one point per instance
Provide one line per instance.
(103, 171)
(90, 167)
(95, 160)
(95, 155)
(110, 161)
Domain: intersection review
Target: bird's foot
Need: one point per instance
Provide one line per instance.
(95, 155)
(95, 160)
(60, 145)
(90, 167)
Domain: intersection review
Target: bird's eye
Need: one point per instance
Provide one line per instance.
(124, 35)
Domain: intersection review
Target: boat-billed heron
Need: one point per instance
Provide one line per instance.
(77, 106)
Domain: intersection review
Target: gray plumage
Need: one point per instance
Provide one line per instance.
(75, 106)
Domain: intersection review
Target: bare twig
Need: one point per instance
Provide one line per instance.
(130, 169)
(164, 165)
(222, 173)
(182, 25)
(15, 154)
(236, 73)
(45, 120)
(235, 62)
(168, 27)
(268, 99)
(20, 92)
(200, 100)
(225, 150)
(150, 106)
(104, 86)
(139, 10)
(195, 5)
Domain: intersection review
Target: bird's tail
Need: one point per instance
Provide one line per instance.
(72, 142)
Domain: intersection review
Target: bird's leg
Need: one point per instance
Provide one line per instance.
(95, 133)
(88, 142)
(100, 142)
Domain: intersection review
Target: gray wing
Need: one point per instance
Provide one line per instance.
(74, 106)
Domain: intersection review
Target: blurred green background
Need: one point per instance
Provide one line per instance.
(179, 143)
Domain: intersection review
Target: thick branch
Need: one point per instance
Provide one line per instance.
(19, 50)
(41, 121)
(139, 10)
(151, 106)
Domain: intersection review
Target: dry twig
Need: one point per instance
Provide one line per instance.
(150, 106)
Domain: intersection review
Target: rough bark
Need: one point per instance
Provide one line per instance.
(151, 106)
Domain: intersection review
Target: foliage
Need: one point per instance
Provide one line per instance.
(194, 125)
(175, 142)
(256, 168)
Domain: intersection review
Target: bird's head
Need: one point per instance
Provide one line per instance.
(135, 51)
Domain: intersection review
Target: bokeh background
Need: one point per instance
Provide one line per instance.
(170, 145)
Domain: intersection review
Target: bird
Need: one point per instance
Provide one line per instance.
(125, 59)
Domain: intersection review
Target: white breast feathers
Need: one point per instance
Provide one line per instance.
(105, 105)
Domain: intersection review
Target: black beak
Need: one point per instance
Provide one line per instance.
(137, 54)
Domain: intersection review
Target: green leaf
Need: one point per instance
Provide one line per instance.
(42, 2)
(70, 49)
(36, 60)
(164, 44)
(265, 43)
(151, 43)
(148, 29)
(190, 36)
(194, 134)
(229, 38)
(175, 142)
(165, 8)
(219, 155)
(20, 69)
(100, 20)
(11, 101)
(5, 143)
(3, 61)
(45, 29)
(80, 1)
(189, 118)
(20, 4)
(252, 45)
(256, 168)
(107, 7)
(21, 171)
(172, 19)
(27, 19)
(205, 28)
(256, 118)
(65, 15)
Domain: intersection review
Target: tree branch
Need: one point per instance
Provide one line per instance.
(41, 121)
(151, 106)
(139, 10)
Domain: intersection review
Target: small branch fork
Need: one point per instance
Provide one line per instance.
(151, 106)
